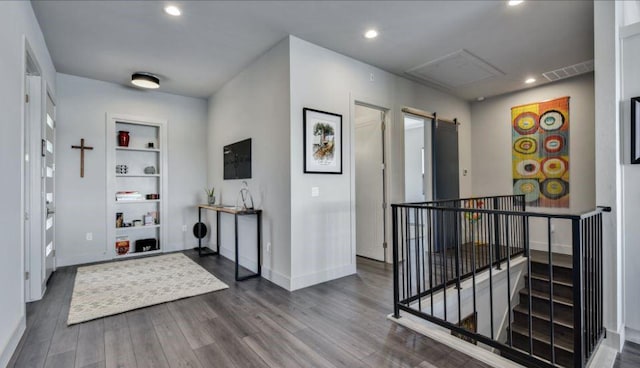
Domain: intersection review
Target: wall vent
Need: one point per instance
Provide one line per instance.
(569, 71)
(454, 70)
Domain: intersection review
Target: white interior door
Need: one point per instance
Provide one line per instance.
(369, 156)
(48, 161)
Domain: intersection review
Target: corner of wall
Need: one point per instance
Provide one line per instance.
(12, 344)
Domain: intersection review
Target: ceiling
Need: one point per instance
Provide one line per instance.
(196, 53)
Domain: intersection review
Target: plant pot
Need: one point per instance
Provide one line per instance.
(211, 200)
(123, 138)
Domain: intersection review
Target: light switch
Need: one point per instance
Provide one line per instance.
(315, 191)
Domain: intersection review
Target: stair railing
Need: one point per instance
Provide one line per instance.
(442, 250)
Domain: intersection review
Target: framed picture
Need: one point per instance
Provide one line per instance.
(635, 130)
(322, 142)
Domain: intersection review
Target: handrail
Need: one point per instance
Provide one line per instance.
(438, 245)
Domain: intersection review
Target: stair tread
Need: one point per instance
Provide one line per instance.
(560, 343)
(556, 280)
(540, 295)
(556, 320)
(560, 260)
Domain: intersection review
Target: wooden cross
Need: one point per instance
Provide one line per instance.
(82, 147)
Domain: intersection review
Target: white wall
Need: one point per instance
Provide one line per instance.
(255, 104)
(492, 142)
(17, 21)
(608, 161)
(82, 105)
(630, 76)
(323, 228)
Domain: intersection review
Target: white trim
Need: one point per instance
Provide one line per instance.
(244, 261)
(11, 346)
(460, 345)
(615, 339)
(277, 278)
(329, 274)
(77, 259)
(603, 357)
(631, 334)
(163, 169)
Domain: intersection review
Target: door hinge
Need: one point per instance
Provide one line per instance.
(43, 146)
(53, 253)
(383, 126)
(26, 215)
(384, 205)
(384, 245)
(26, 98)
(26, 275)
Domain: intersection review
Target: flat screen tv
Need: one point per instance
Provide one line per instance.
(237, 160)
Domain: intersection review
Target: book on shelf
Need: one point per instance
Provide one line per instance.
(129, 196)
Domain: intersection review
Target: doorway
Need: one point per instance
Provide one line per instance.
(370, 182)
(417, 159)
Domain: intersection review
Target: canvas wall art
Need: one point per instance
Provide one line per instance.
(322, 142)
(540, 159)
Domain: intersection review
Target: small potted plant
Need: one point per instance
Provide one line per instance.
(211, 198)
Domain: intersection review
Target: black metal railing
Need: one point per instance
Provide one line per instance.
(442, 250)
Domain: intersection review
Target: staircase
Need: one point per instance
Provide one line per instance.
(540, 301)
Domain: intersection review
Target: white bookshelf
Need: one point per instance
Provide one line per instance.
(137, 156)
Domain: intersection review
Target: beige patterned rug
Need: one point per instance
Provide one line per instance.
(115, 287)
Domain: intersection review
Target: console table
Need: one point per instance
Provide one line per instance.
(204, 251)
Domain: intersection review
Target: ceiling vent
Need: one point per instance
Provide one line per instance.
(569, 71)
(455, 70)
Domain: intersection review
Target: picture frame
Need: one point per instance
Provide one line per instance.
(322, 142)
(635, 130)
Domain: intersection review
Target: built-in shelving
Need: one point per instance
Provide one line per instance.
(143, 132)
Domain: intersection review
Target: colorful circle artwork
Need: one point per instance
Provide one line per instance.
(526, 145)
(554, 188)
(554, 167)
(554, 143)
(530, 188)
(551, 120)
(526, 123)
(528, 167)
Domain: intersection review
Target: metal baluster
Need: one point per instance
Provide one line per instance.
(417, 246)
(553, 345)
(396, 269)
(509, 285)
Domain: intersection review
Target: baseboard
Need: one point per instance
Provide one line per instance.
(615, 339)
(277, 278)
(632, 335)
(62, 261)
(604, 357)
(557, 248)
(10, 348)
(231, 255)
(322, 276)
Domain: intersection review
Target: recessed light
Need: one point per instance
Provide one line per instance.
(172, 10)
(372, 33)
(515, 2)
(530, 80)
(145, 80)
(481, 98)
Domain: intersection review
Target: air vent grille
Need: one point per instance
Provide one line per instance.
(569, 71)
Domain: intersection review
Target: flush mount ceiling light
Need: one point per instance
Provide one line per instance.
(172, 10)
(515, 2)
(145, 80)
(530, 80)
(372, 33)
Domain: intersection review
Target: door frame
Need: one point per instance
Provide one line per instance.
(31, 177)
(386, 140)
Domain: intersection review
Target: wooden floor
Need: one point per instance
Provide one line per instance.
(254, 323)
(630, 356)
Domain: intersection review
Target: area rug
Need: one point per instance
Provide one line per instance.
(115, 287)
